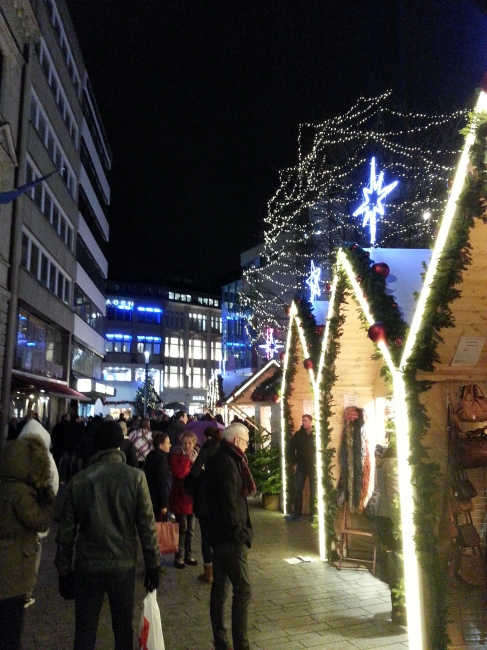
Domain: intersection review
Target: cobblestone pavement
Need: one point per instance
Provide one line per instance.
(306, 605)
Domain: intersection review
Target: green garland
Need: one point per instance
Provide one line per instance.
(269, 389)
(291, 370)
(328, 379)
(455, 258)
(312, 332)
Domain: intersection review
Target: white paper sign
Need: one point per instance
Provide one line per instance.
(351, 399)
(468, 351)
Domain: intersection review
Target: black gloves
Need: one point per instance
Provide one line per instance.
(151, 580)
(45, 497)
(66, 586)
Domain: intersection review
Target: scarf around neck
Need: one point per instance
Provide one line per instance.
(249, 488)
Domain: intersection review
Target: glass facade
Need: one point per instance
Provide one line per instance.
(39, 347)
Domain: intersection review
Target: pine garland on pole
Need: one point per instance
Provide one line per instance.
(153, 398)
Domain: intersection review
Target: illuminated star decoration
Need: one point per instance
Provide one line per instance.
(313, 282)
(374, 195)
(271, 346)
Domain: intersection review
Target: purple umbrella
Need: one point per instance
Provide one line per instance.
(198, 427)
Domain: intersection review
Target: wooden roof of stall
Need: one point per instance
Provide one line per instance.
(470, 315)
(241, 395)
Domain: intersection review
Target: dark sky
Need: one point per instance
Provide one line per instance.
(201, 101)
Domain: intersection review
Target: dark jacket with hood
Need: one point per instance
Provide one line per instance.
(157, 472)
(228, 513)
(26, 507)
(194, 483)
(106, 505)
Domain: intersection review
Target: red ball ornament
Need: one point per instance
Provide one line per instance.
(328, 287)
(287, 309)
(275, 398)
(298, 300)
(449, 183)
(394, 304)
(282, 356)
(377, 332)
(308, 364)
(319, 329)
(381, 268)
(354, 247)
(359, 279)
(398, 341)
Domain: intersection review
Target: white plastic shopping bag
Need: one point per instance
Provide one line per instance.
(150, 625)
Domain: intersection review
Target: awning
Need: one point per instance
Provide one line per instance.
(50, 386)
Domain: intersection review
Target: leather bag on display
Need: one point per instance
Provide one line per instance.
(472, 568)
(472, 405)
(463, 489)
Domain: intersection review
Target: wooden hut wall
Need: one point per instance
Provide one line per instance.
(301, 390)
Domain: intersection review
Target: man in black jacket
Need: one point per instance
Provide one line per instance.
(107, 505)
(302, 454)
(228, 483)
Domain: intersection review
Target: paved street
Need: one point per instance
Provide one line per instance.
(307, 605)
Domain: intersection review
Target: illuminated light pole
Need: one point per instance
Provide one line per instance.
(146, 385)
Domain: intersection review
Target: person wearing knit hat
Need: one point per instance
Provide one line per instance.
(107, 505)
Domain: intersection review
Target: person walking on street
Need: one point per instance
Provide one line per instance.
(26, 504)
(181, 460)
(141, 438)
(176, 427)
(106, 506)
(157, 473)
(302, 455)
(228, 484)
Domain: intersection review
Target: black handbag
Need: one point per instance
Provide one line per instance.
(463, 489)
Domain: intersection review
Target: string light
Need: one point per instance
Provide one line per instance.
(311, 212)
(313, 282)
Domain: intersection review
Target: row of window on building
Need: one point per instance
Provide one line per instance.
(170, 377)
(174, 346)
(173, 319)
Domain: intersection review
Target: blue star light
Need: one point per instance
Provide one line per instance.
(374, 195)
(271, 346)
(313, 282)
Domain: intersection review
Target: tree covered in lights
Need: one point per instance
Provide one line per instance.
(153, 399)
(313, 209)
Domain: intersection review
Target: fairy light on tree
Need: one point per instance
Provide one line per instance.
(312, 210)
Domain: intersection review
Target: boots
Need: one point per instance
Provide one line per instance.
(207, 576)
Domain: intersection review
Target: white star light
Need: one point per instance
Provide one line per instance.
(374, 195)
(271, 346)
(313, 282)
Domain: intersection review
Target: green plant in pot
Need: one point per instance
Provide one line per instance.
(265, 465)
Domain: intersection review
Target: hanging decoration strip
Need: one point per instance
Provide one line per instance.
(312, 210)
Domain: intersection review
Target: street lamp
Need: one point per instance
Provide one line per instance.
(146, 385)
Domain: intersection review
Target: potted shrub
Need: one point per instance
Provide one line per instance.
(265, 465)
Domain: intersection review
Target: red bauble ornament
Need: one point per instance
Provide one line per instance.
(359, 279)
(308, 364)
(449, 183)
(328, 287)
(298, 300)
(275, 398)
(398, 341)
(354, 247)
(377, 332)
(300, 324)
(394, 304)
(381, 268)
(287, 309)
(282, 356)
(319, 329)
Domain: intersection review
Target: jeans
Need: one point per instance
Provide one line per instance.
(11, 620)
(89, 592)
(299, 481)
(186, 534)
(206, 549)
(230, 566)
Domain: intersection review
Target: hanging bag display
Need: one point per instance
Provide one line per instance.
(472, 405)
(167, 536)
(466, 451)
(463, 489)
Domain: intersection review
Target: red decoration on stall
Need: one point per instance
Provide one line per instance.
(381, 268)
(287, 309)
(282, 356)
(308, 364)
(398, 341)
(359, 279)
(377, 332)
(275, 398)
(328, 286)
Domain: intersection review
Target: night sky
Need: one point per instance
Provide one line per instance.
(201, 101)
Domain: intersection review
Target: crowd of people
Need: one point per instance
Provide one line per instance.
(120, 477)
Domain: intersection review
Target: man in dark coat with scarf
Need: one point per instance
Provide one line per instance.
(228, 483)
